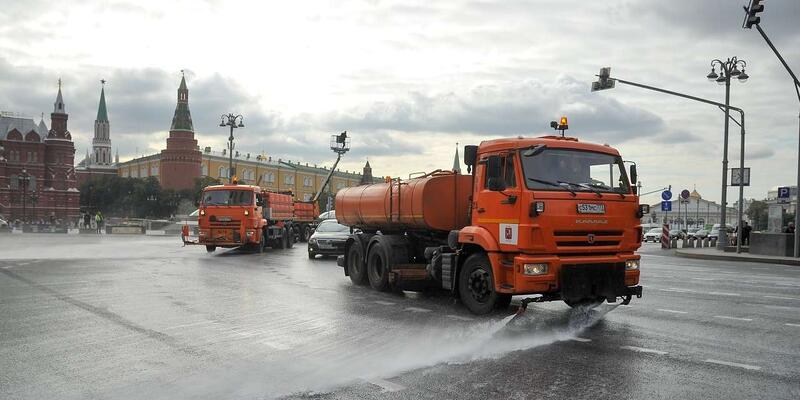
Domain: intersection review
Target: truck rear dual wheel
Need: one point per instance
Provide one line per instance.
(476, 286)
(355, 264)
(378, 267)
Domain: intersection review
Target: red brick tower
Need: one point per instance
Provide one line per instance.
(60, 196)
(181, 160)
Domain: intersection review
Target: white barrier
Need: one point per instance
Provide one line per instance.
(73, 231)
(155, 232)
(16, 231)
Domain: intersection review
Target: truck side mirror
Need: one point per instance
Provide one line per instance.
(470, 154)
(494, 174)
(634, 175)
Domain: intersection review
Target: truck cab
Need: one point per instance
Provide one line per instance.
(554, 215)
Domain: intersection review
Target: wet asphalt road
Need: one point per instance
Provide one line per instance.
(140, 317)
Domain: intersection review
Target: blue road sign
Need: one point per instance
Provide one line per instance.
(666, 205)
(666, 195)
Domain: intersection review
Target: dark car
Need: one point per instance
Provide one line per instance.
(328, 239)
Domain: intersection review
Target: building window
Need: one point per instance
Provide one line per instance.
(125, 173)
(143, 172)
(154, 170)
(339, 186)
(204, 170)
(307, 197)
(288, 179)
(307, 181)
(222, 172)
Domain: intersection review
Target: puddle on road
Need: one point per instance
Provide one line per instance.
(379, 354)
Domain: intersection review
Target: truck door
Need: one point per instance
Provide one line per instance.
(498, 212)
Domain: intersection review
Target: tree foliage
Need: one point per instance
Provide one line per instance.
(136, 197)
(758, 213)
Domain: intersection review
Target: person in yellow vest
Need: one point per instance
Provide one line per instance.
(98, 219)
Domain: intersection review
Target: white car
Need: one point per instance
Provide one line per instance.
(653, 235)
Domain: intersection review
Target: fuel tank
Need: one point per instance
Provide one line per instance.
(438, 201)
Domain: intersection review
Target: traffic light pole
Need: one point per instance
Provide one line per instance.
(797, 90)
(724, 198)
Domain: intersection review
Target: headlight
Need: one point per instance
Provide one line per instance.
(312, 241)
(250, 233)
(632, 264)
(246, 212)
(534, 269)
(202, 212)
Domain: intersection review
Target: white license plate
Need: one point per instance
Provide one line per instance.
(591, 208)
(325, 245)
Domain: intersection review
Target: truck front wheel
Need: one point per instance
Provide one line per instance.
(378, 267)
(355, 264)
(476, 285)
(211, 249)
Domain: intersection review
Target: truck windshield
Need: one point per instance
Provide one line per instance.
(575, 171)
(228, 198)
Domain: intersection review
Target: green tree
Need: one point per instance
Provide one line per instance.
(758, 213)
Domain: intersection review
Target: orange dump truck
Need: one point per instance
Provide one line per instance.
(235, 215)
(305, 213)
(547, 216)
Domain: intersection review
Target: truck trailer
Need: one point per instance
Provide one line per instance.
(549, 216)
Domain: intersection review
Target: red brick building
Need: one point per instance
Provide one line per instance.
(37, 174)
(180, 161)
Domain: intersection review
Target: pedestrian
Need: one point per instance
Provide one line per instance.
(746, 234)
(98, 219)
(87, 223)
(789, 228)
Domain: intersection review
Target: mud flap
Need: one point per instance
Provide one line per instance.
(593, 281)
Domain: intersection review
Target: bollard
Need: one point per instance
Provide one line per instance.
(684, 243)
(713, 242)
(705, 241)
(674, 243)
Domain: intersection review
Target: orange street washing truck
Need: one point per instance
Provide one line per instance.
(550, 216)
(234, 215)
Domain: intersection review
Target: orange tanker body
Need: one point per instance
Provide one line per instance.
(548, 216)
(433, 202)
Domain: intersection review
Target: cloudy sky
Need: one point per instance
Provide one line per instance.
(408, 79)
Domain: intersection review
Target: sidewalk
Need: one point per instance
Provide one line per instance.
(714, 254)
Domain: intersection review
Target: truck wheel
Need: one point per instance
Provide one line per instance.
(211, 249)
(476, 285)
(378, 267)
(355, 264)
(311, 255)
(289, 238)
(262, 243)
(304, 234)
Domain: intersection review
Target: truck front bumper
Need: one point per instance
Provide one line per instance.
(570, 278)
(226, 237)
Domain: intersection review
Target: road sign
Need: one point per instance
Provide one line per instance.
(739, 179)
(685, 194)
(666, 195)
(784, 193)
(666, 206)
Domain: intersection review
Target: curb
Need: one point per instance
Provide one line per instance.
(723, 257)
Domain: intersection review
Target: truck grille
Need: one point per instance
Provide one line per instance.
(587, 240)
(224, 224)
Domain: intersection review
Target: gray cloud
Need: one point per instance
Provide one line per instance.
(506, 109)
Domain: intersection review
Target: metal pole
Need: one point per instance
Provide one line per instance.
(230, 154)
(741, 189)
(723, 233)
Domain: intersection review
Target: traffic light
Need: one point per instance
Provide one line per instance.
(604, 81)
(752, 18)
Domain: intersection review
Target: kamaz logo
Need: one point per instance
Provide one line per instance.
(591, 221)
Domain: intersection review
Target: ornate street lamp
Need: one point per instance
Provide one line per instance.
(234, 121)
(728, 69)
(23, 179)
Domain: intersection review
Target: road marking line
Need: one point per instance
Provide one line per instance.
(386, 386)
(385, 303)
(782, 297)
(580, 339)
(459, 318)
(672, 311)
(733, 364)
(733, 318)
(702, 279)
(643, 350)
(724, 294)
(795, 325)
(677, 290)
(417, 309)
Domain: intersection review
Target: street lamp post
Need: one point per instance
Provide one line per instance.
(728, 69)
(23, 179)
(231, 120)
